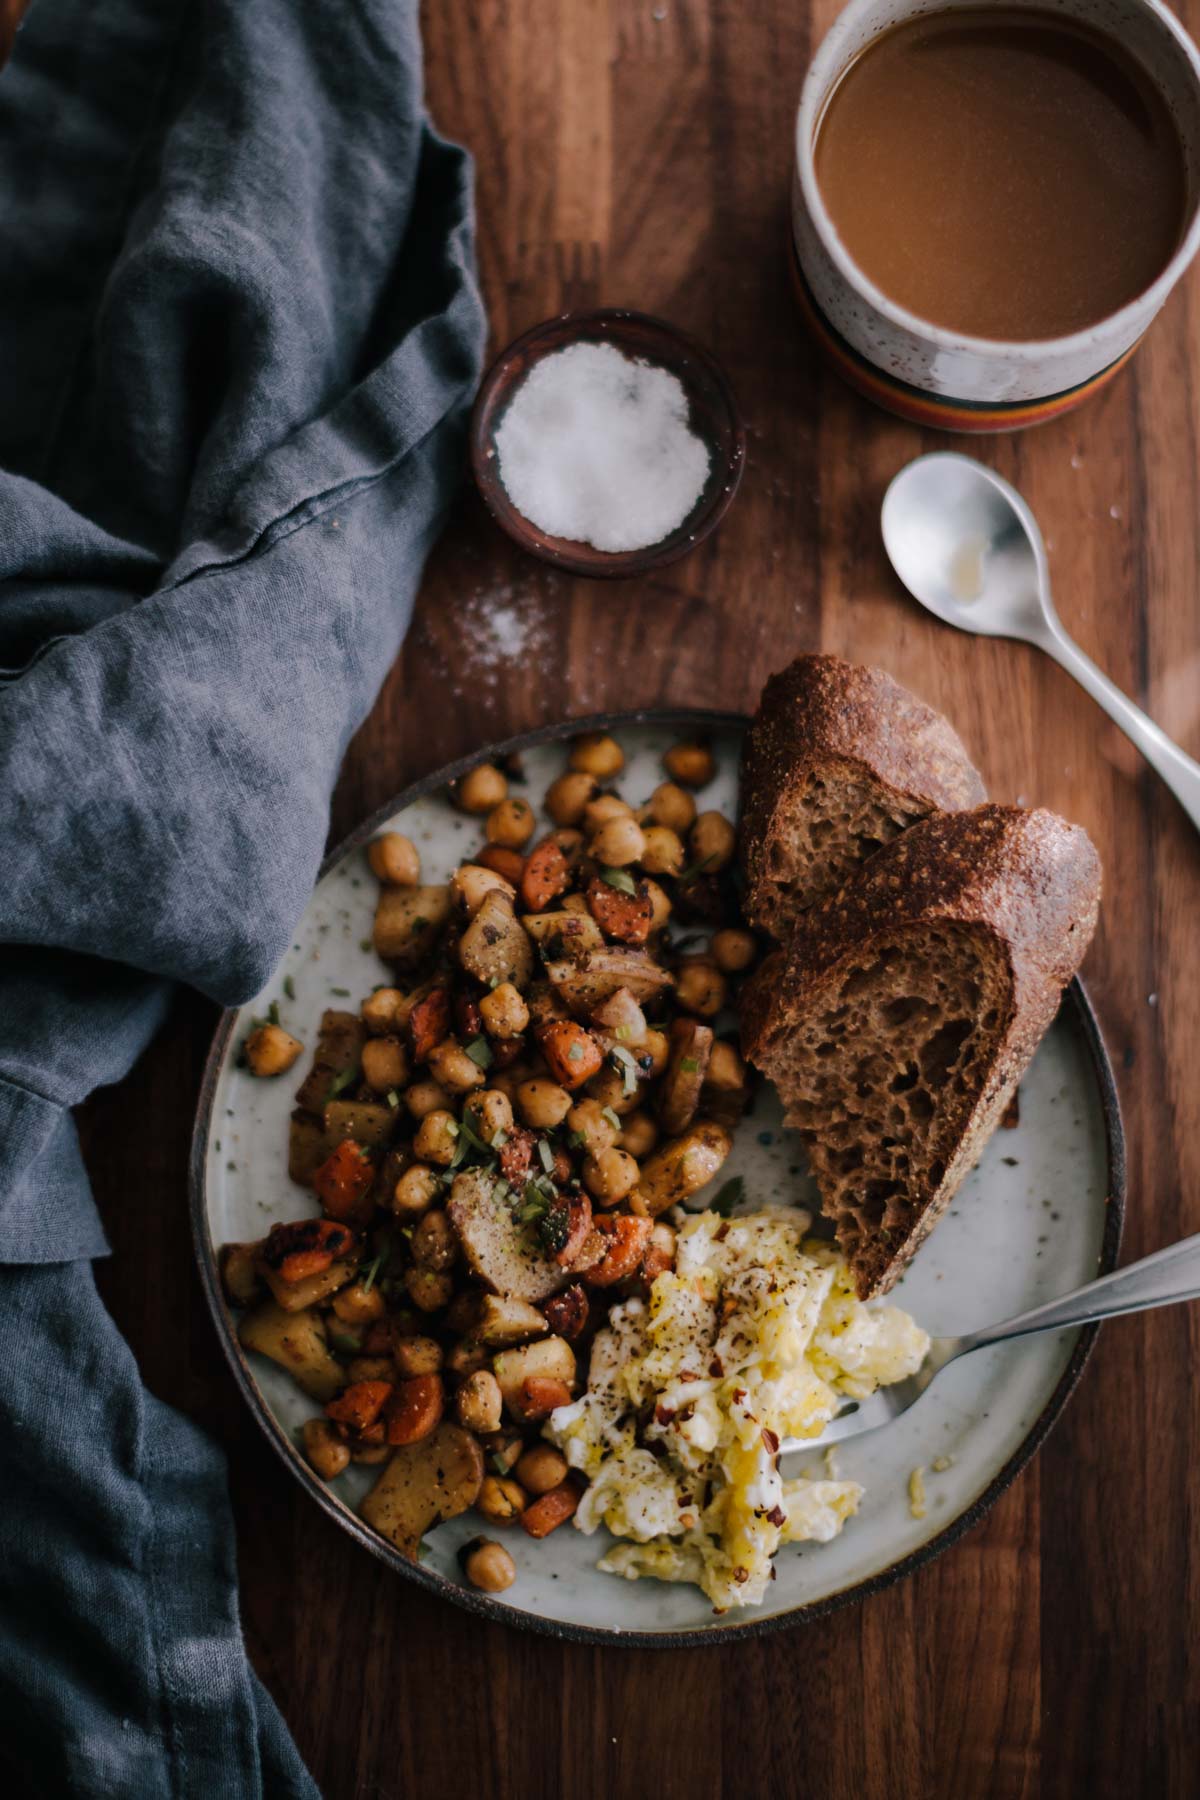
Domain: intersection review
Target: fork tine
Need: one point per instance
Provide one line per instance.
(865, 1415)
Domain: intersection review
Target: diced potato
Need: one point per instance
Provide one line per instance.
(599, 973)
(408, 921)
(296, 1341)
(564, 934)
(494, 947)
(338, 1049)
(424, 1483)
(679, 1096)
(366, 1121)
(503, 1254)
(307, 1147)
(550, 1359)
(682, 1167)
(295, 1296)
(503, 1321)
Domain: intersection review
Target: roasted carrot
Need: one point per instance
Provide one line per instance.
(628, 1237)
(343, 1183)
(415, 1409)
(359, 1405)
(429, 1023)
(547, 874)
(572, 1053)
(549, 1511)
(305, 1247)
(625, 917)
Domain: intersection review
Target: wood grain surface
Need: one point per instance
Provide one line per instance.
(637, 152)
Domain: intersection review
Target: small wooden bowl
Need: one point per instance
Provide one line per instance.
(713, 417)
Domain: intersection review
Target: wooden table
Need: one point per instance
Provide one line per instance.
(637, 152)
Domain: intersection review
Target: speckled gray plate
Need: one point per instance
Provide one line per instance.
(1039, 1215)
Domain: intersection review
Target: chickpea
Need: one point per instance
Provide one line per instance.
(602, 810)
(587, 1119)
(489, 1114)
(662, 851)
(435, 1241)
(478, 1402)
(639, 1134)
(610, 1176)
(370, 1368)
(418, 1356)
(504, 1082)
(570, 842)
(660, 905)
(500, 1500)
(597, 754)
(379, 1010)
(712, 840)
(457, 1072)
(672, 806)
(326, 1452)
(435, 1141)
(416, 1191)
(359, 1305)
(623, 1017)
(488, 1566)
(543, 1104)
(510, 824)
(608, 1089)
(370, 1453)
(424, 1097)
(505, 1014)
(481, 789)
(692, 765)
(700, 987)
(271, 1050)
(384, 1063)
(395, 860)
(428, 1289)
(471, 883)
(567, 797)
(618, 843)
(657, 1046)
(726, 1070)
(468, 1356)
(733, 950)
(541, 1468)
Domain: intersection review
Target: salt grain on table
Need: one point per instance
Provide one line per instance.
(596, 447)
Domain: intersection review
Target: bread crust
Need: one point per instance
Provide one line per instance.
(822, 715)
(1026, 880)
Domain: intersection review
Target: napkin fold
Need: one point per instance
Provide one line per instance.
(239, 331)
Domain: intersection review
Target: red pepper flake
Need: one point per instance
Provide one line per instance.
(771, 1440)
(687, 1375)
(721, 1233)
(777, 1516)
(740, 1575)
(739, 1394)
(664, 1414)
(716, 1367)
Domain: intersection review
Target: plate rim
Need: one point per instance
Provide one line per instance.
(492, 1607)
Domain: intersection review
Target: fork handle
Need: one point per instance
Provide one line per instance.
(1159, 1280)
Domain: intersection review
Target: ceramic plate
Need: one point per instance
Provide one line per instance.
(1039, 1215)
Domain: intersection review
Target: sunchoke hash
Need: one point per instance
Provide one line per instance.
(495, 1138)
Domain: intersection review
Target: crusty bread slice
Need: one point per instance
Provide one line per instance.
(838, 762)
(905, 1009)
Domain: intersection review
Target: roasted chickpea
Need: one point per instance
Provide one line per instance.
(639, 1134)
(504, 1082)
(510, 824)
(660, 905)
(543, 1104)
(657, 1047)
(358, 1305)
(725, 1070)
(436, 1139)
(500, 1500)
(672, 806)
(489, 1114)
(603, 809)
(435, 1241)
(700, 987)
(733, 950)
(567, 797)
(326, 1452)
(379, 1010)
(662, 851)
(618, 843)
(607, 1088)
(424, 1097)
(621, 1015)
(271, 1050)
(481, 789)
(595, 753)
(505, 1014)
(471, 883)
(395, 860)
(417, 1356)
(467, 1356)
(384, 1063)
(488, 1566)
(712, 840)
(416, 1191)
(457, 1072)
(541, 1468)
(587, 1119)
(610, 1176)
(692, 765)
(428, 1289)
(478, 1402)
(570, 842)
(370, 1368)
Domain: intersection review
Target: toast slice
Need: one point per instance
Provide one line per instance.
(838, 762)
(906, 1008)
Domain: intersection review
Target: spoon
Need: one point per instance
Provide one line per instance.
(1159, 1280)
(966, 545)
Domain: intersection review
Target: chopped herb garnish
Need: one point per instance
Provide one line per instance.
(625, 1066)
(576, 1139)
(498, 1463)
(575, 1053)
(620, 879)
(479, 1051)
(368, 1280)
(365, 944)
(728, 1196)
(342, 993)
(622, 1032)
(289, 988)
(696, 868)
(341, 1082)
(545, 1154)
(273, 1012)
(688, 1065)
(607, 1112)
(345, 1341)
(393, 1098)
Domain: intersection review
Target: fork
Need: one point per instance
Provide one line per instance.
(1159, 1280)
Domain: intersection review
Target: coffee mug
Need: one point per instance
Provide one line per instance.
(925, 372)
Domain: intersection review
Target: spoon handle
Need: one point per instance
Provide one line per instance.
(1169, 1275)
(1177, 769)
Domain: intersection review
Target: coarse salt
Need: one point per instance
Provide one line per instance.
(595, 446)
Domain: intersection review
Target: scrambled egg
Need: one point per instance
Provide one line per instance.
(755, 1336)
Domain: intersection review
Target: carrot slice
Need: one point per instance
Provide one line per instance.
(625, 917)
(549, 1511)
(540, 1395)
(573, 1054)
(429, 1023)
(343, 1183)
(415, 1409)
(573, 1226)
(547, 874)
(359, 1405)
(628, 1237)
(305, 1247)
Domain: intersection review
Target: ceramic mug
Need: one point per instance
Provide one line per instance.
(925, 372)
